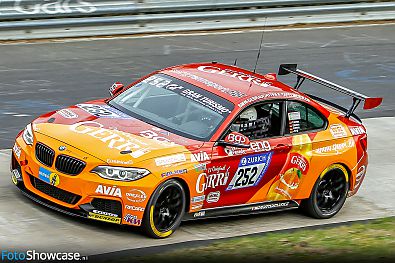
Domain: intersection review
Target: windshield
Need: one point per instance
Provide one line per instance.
(174, 105)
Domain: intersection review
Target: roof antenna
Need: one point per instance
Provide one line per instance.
(260, 46)
(235, 63)
(259, 52)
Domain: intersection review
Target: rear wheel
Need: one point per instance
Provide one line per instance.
(165, 210)
(329, 193)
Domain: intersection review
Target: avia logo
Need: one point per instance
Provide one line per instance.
(109, 190)
(200, 157)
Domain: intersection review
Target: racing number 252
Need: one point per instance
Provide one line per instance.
(246, 176)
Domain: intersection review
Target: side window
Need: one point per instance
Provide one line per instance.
(302, 117)
(259, 121)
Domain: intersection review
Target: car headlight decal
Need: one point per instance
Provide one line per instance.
(27, 134)
(120, 173)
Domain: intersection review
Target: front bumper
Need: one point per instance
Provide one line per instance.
(77, 195)
(51, 205)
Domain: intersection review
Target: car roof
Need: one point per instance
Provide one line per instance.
(240, 86)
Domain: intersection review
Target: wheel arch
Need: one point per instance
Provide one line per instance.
(308, 188)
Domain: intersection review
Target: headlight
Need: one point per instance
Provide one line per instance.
(120, 173)
(27, 134)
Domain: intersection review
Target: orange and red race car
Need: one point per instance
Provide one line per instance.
(195, 141)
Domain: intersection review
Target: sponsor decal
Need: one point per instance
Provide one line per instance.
(48, 176)
(231, 151)
(269, 206)
(360, 176)
(132, 219)
(170, 173)
(150, 134)
(294, 121)
(108, 190)
(134, 208)
(337, 148)
(15, 176)
(294, 116)
(200, 167)
(200, 157)
(213, 197)
(136, 196)
(206, 181)
(198, 199)
(337, 130)
(261, 146)
(104, 213)
(299, 161)
(140, 152)
(235, 74)
(199, 214)
(205, 101)
(216, 169)
(114, 139)
(104, 218)
(120, 162)
(270, 76)
(273, 95)
(236, 138)
(357, 130)
(198, 206)
(208, 83)
(171, 159)
(17, 150)
(52, 8)
(251, 170)
(103, 111)
(190, 92)
(67, 114)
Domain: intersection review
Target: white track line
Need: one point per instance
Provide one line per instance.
(192, 33)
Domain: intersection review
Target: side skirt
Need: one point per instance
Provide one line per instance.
(256, 208)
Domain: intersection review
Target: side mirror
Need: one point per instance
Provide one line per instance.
(116, 88)
(236, 139)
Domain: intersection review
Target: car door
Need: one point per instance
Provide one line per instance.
(238, 175)
(302, 122)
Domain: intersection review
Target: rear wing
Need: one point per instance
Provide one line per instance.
(369, 103)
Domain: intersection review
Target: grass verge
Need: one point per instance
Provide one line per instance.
(372, 241)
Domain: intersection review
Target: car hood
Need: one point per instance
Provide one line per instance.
(110, 135)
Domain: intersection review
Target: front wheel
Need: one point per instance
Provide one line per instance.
(329, 193)
(165, 210)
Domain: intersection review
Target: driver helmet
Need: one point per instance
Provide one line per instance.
(247, 116)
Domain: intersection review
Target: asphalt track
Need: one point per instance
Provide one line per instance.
(36, 78)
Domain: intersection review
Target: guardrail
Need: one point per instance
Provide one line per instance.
(32, 19)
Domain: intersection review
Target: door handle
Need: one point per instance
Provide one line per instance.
(282, 147)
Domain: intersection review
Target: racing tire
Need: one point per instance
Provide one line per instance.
(329, 193)
(165, 210)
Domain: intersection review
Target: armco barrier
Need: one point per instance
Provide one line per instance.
(32, 19)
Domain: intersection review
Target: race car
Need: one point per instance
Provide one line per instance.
(196, 141)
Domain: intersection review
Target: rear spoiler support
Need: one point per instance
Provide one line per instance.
(369, 103)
